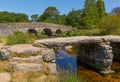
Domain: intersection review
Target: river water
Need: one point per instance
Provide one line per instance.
(66, 62)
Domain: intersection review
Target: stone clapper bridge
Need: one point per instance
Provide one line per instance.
(96, 51)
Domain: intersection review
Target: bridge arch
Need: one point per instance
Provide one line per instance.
(32, 31)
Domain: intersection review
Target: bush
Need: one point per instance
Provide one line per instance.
(110, 25)
(41, 35)
(20, 38)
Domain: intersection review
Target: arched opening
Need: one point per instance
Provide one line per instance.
(32, 31)
(48, 32)
(58, 31)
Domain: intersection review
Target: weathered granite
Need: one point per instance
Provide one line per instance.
(48, 55)
(96, 51)
(26, 67)
(52, 68)
(26, 49)
(31, 59)
(64, 41)
(4, 54)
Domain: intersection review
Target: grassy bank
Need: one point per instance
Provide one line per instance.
(92, 76)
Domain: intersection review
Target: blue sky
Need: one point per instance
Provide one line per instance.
(30, 7)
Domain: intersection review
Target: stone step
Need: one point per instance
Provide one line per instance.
(27, 67)
(31, 59)
(26, 49)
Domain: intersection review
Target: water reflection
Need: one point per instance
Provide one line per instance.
(66, 62)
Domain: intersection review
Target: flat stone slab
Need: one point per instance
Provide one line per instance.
(75, 40)
(29, 60)
(26, 67)
(5, 77)
(25, 49)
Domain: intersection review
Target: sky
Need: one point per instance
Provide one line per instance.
(30, 7)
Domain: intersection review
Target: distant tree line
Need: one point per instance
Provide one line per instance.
(87, 18)
(7, 17)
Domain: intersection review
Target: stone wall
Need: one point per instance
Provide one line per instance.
(116, 50)
(9, 28)
(97, 55)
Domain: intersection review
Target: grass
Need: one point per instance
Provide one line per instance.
(92, 76)
(20, 38)
(80, 32)
(68, 77)
(4, 67)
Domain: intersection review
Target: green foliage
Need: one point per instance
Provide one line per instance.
(20, 38)
(90, 16)
(41, 35)
(101, 8)
(20, 17)
(110, 25)
(73, 18)
(116, 11)
(6, 17)
(78, 32)
(34, 17)
(49, 15)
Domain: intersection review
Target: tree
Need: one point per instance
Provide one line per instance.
(73, 18)
(116, 11)
(6, 17)
(34, 17)
(101, 8)
(20, 17)
(89, 18)
(49, 15)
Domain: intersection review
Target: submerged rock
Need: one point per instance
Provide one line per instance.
(48, 55)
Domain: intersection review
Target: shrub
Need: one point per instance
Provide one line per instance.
(110, 25)
(20, 38)
(41, 35)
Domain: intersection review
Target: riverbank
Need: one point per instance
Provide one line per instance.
(91, 75)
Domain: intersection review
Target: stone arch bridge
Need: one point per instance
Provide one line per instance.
(9, 28)
(96, 51)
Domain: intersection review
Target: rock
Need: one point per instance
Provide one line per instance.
(12, 63)
(27, 49)
(30, 59)
(26, 67)
(5, 77)
(48, 55)
(4, 54)
(52, 68)
(106, 72)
